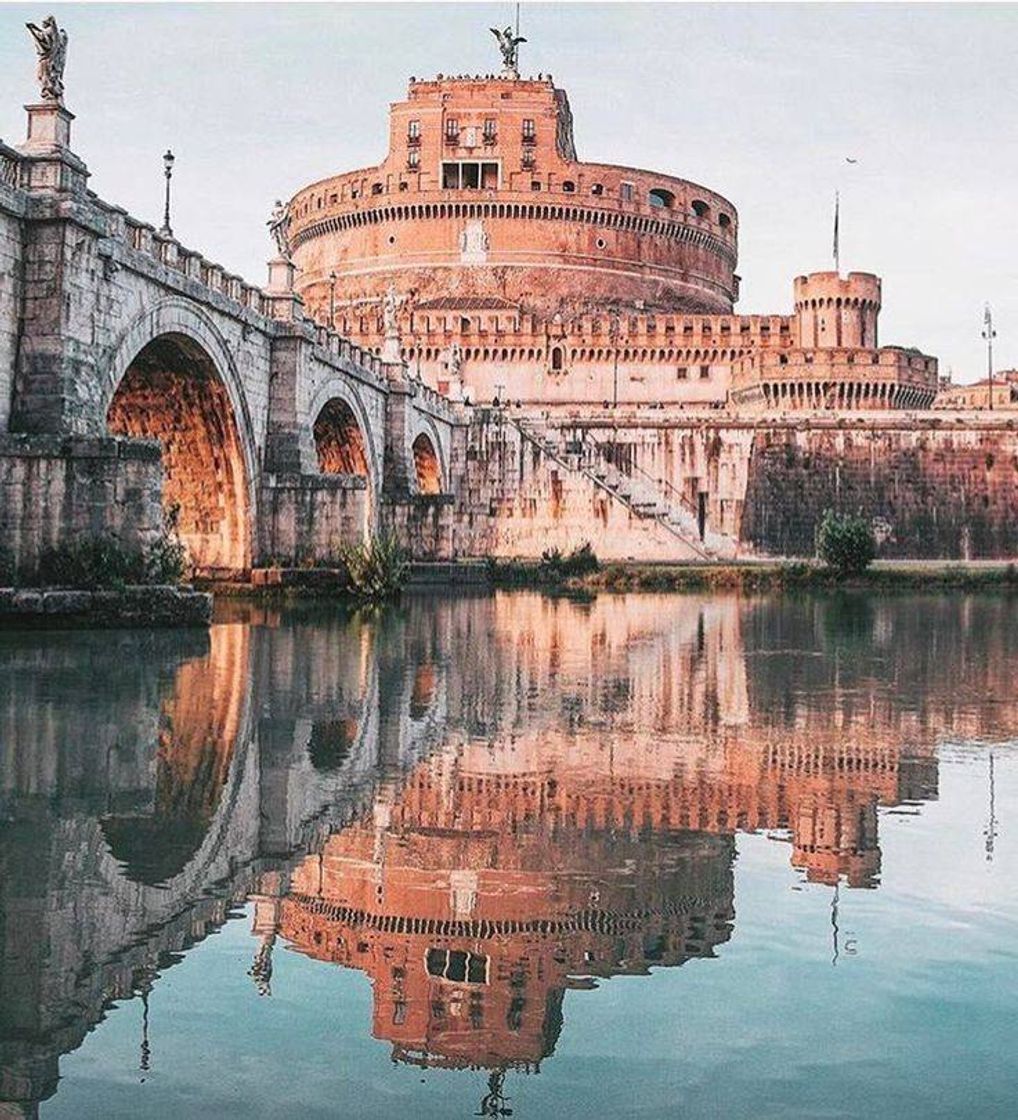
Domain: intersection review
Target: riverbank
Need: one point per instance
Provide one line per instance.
(143, 606)
(884, 575)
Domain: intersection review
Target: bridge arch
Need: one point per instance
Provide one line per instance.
(427, 468)
(429, 456)
(171, 377)
(344, 440)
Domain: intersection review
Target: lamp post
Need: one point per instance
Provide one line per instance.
(989, 334)
(167, 230)
(613, 334)
(332, 300)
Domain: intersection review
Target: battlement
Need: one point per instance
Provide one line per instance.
(833, 289)
(835, 310)
(850, 378)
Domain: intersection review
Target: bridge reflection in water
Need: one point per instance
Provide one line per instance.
(479, 802)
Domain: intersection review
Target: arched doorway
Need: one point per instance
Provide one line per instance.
(428, 469)
(172, 392)
(342, 448)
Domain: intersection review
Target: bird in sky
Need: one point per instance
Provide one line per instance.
(849, 159)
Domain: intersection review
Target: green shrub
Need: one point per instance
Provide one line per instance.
(845, 543)
(103, 562)
(580, 562)
(8, 566)
(377, 568)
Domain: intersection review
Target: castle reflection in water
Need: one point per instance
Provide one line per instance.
(478, 802)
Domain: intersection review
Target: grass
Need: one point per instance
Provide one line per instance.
(754, 577)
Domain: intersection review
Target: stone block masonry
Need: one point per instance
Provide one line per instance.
(931, 492)
(54, 489)
(931, 488)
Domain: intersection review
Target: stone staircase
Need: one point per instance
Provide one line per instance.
(643, 495)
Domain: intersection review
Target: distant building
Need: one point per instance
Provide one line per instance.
(978, 395)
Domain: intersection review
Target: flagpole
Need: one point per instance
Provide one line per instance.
(837, 247)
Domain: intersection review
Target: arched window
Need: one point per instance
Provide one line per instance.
(659, 197)
(724, 221)
(568, 186)
(700, 208)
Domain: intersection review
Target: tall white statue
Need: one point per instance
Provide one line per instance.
(51, 45)
(391, 348)
(279, 227)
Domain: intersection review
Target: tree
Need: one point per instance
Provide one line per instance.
(845, 543)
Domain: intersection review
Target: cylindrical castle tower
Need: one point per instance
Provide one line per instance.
(481, 197)
(835, 311)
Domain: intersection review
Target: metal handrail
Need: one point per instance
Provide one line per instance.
(663, 482)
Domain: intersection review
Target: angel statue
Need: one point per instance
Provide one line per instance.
(279, 224)
(509, 45)
(390, 312)
(51, 43)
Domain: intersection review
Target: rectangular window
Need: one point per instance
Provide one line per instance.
(704, 372)
(469, 175)
(490, 130)
(452, 129)
(626, 191)
(682, 373)
(529, 132)
(413, 158)
(457, 965)
(413, 130)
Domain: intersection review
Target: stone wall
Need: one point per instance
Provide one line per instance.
(54, 490)
(307, 519)
(517, 499)
(930, 492)
(932, 489)
(10, 296)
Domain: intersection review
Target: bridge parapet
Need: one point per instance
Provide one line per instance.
(10, 164)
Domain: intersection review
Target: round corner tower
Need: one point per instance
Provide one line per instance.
(835, 311)
(481, 197)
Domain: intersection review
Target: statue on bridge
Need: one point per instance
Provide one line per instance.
(391, 348)
(51, 44)
(279, 226)
(509, 45)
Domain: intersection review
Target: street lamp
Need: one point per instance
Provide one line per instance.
(613, 334)
(332, 300)
(989, 334)
(167, 230)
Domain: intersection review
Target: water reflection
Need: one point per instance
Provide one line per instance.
(480, 803)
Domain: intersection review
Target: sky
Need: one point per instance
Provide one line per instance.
(761, 102)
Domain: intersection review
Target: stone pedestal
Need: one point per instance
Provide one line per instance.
(391, 348)
(49, 126)
(49, 164)
(284, 303)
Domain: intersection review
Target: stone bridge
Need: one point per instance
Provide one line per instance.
(135, 376)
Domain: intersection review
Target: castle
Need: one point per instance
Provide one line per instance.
(526, 275)
(483, 346)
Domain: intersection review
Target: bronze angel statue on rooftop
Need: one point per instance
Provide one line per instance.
(509, 45)
(51, 43)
